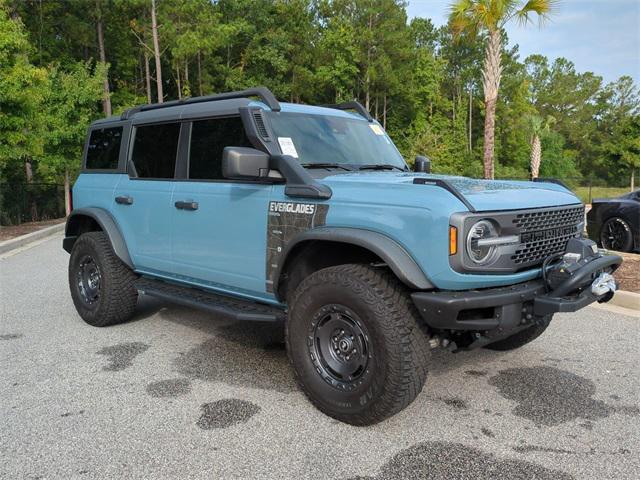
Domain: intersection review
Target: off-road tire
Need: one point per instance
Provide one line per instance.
(117, 296)
(521, 338)
(398, 342)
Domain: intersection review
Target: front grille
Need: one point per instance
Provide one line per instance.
(546, 219)
(544, 233)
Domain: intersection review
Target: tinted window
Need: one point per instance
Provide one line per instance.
(208, 139)
(104, 148)
(154, 150)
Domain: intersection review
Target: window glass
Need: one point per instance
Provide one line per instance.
(104, 148)
(155, 149)
(208, 139)
(333, 139)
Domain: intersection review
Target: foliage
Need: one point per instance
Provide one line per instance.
(422, 85)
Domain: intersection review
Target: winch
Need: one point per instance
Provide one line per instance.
(564, 273)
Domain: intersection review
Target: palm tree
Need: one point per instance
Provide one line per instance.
(537, 127)
(490, 16)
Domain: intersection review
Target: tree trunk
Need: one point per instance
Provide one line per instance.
(187, 87)
(178, 81)
(106, 100)
(199, 74)
(470, 117)
(28, 171)
(156, 51)
(67, 194)
(147, 75)
(633, 179)
(536, 155)
(384, 112)
(368, 76)
(491, 73)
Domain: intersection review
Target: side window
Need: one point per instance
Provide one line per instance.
(208, 139)
(104, 148)
(155, 149)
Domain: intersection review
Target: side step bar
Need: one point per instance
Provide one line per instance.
(228, 307)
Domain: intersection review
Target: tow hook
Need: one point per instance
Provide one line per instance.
(605, 285)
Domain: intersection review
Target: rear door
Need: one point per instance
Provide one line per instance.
(219, 233)
(142, 204)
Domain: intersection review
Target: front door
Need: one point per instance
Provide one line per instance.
(143, 205)
(219, 225)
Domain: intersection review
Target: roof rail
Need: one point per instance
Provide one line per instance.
(353, 105)
(263, 92)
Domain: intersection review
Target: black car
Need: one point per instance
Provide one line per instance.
(615, 222)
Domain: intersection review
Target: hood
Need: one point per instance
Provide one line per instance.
(483, 195)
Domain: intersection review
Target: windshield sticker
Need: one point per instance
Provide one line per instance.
(377, 129)
(287, 146)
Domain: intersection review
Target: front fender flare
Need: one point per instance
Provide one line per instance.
(393, 254)
(107, 224)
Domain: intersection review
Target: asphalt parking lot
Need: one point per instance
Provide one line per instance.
(177, 393)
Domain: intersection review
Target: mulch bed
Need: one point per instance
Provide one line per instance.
(14, 231)
(628, 275)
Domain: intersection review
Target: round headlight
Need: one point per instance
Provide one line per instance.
(481, 252)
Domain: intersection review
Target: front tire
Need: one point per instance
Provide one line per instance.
(355, 342)
(101, 285)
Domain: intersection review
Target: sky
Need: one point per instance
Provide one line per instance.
(599, 36)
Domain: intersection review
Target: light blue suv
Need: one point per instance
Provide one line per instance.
(270, 212)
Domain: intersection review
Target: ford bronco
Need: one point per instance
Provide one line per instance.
(264, 211)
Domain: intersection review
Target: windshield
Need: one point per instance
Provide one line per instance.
(325, 139)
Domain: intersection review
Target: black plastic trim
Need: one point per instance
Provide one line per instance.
(108, 225)
(262, 92)
(299, 183)
(353, 105)
(394, 255)
(438, 182)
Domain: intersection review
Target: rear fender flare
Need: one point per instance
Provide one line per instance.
(107, 224)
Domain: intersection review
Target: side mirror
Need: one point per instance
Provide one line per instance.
(422, 164)
(242, 163)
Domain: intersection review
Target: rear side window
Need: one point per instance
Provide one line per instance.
(155, 149)
(104, 148)
(208, 139)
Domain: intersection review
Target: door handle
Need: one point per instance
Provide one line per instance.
(124, 200)
(186, 205)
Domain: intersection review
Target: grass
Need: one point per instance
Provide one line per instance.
(599, 192)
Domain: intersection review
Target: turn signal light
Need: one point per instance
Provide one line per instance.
(453, 240)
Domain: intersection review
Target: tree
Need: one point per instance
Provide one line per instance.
(156, 50)
(475, 16)
(106, 99)
(22, 88)
(537, 127)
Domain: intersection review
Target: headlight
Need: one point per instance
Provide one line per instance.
(480, 247)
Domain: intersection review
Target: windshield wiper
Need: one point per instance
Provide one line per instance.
(325, 165)
(381, 166)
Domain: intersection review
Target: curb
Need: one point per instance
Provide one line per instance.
(626, 299)
(23, 240)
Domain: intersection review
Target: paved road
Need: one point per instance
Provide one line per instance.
(179, 394)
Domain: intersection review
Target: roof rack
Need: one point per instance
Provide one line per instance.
(263, 92)
(353, 105)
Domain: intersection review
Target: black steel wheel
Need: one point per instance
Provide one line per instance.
(616, 234)
(341, 347)
(101, 285)
(356, 343)
(89, 279)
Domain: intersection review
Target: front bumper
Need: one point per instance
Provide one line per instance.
(507, 309)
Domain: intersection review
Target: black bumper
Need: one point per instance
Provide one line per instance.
(508, 308)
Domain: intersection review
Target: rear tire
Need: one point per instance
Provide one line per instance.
(521, 338)
(356, 343)
(101, 285)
